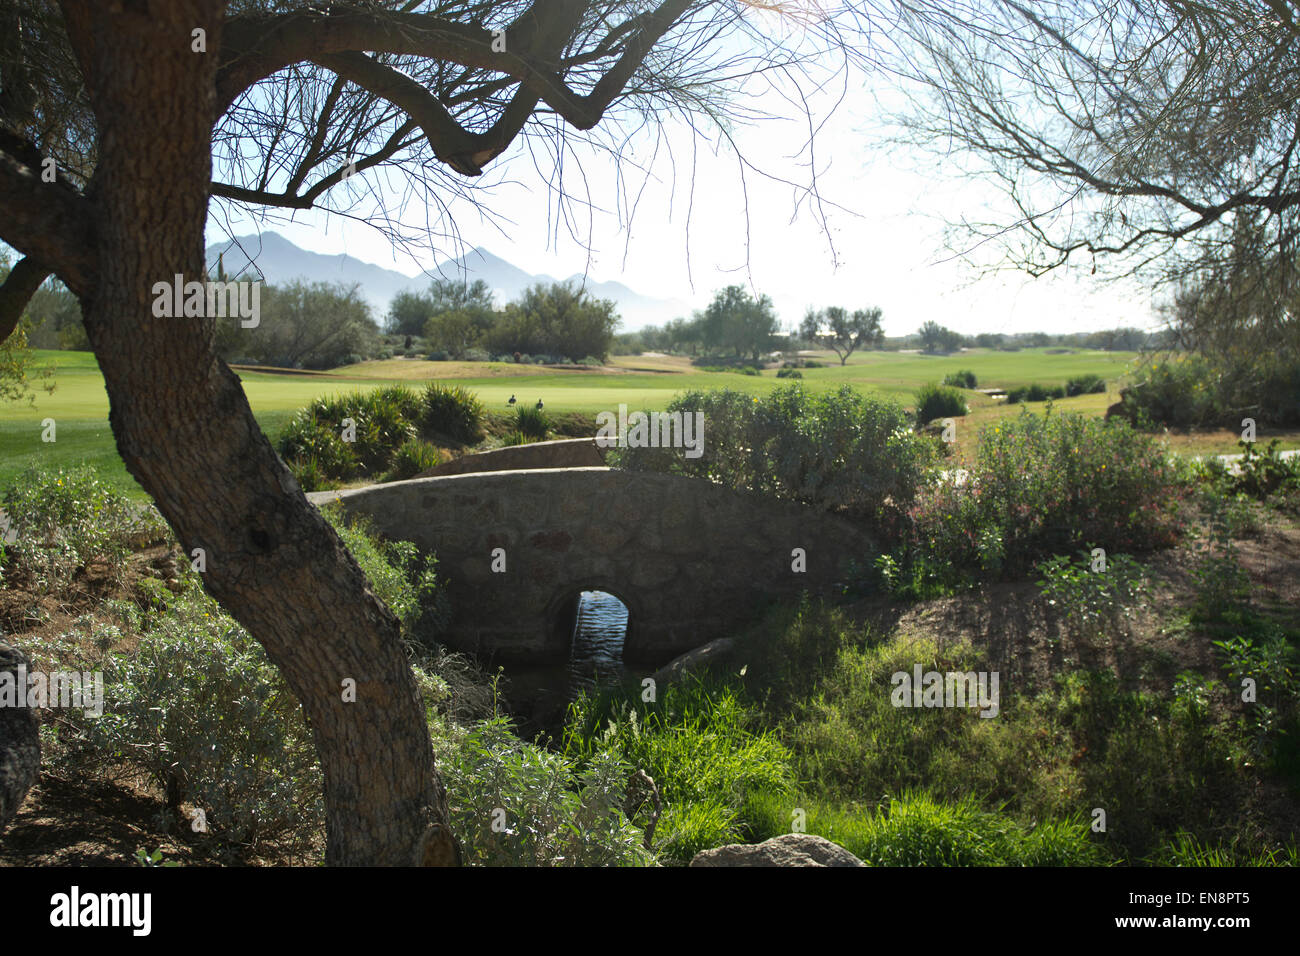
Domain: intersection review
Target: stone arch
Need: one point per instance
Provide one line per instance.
(563, 617)
(691, 560)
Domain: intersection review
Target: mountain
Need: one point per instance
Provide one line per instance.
(276, 259)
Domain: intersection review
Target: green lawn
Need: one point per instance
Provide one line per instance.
(79, 404)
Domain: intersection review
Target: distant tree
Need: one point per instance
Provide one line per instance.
(408, 313)
(736, 321)
(990, 340)
(841, 332)
(454, 331)
(559, 319)
(301, 325)
(937, 338)
(55, 316)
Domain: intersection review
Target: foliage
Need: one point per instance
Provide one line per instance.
(413, 458)
(698, 743)
(789, 373)
(1034, 393)
(841, 332)
(963, 379)
(560, 319)
(303, 325)
(1195, 391)
(1043, 486)
(517, 804)
(1084, 385)
(60, 519)
(198, 705)
(937, 338)
(532, 423)
(939, 401)
(1091, 600)
(836, 450)
(453, 411)
(919, 829)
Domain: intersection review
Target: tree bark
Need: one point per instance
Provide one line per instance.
(184, 428)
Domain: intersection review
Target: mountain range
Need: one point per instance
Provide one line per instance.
(276, 259)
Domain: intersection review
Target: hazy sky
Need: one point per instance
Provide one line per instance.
(882, 243)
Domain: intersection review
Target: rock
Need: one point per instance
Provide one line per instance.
(20, 742)
(692, 661)
(790, 849)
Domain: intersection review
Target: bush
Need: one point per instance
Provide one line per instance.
(475, 354)
(532, 423)
(789, 373)
(1043, 486)
(1191, 391)
(1085, 385)
(439, 356)
(62, 518)
(939, 401)
(1034, 393)
(834, 450)
(199, 707)
(315, 451)
(963, 379)
(517, 804)
(1091, 601)
(413, 458)
(453, 411)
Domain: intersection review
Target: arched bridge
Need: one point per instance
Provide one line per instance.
(688, 558)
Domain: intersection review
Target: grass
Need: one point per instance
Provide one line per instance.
(79, 404)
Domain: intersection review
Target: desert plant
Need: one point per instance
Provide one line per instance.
(938, 401)
(453, 411)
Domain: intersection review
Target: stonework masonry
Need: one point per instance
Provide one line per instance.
(690, 560)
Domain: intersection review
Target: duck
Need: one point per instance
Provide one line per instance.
(512, 400)
(539, 405)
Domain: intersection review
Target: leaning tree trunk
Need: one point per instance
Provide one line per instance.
(185, 430)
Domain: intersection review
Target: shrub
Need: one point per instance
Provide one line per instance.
(516, 804)
(1034, 393)
(963, 379)
(835, 450)
(1084, 385)
(308, 439)
(475, 354)
(1191, 391)
(412, 458)
(453, 411)
(62, 518)
(938, 401)
(789, 373)
(1043, 486)
(199, 706)
(439, 356)
(1091, 600)
(532, 422)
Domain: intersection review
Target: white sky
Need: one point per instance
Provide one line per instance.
(885, 221)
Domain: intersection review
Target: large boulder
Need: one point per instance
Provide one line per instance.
(789, 849)
(20, 742)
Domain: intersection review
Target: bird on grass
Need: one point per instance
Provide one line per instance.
(539, 404)
(512, 400)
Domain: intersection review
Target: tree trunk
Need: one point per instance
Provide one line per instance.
(185, 430)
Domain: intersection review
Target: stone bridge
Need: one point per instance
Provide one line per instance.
(690, 560)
